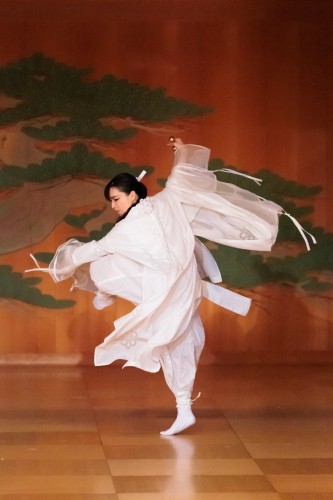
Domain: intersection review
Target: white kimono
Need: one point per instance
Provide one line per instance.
(153, 259)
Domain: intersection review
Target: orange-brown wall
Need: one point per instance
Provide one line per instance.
(266, 69)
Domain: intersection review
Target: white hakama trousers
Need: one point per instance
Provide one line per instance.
(179, 361)
(118, 276)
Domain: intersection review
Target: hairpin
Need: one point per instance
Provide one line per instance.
(141, 176)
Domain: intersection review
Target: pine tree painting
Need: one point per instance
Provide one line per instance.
(67, 124)
(67, 121)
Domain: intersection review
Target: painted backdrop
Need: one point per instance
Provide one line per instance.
(90, 88)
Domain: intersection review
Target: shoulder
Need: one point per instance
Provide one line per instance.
(144, 207)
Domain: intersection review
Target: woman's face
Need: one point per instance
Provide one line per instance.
(121, 202)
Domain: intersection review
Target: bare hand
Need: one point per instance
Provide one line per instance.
(174, 142)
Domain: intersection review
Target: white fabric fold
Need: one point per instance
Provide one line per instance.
(226, 298)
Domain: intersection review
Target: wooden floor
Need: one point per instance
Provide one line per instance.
(263, 433)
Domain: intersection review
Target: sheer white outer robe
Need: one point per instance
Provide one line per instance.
(152, 259)
(148, 259)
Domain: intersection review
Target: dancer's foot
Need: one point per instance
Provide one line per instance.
(185, 419)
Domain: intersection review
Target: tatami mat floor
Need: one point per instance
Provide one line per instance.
(262, 433)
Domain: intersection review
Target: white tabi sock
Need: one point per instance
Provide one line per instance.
(185, 418)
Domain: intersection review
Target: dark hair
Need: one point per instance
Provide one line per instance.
(125, 183)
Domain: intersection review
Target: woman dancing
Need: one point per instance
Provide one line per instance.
(152, 258)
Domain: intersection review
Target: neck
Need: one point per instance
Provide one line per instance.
(122, 217)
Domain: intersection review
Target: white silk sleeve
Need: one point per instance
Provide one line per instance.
(88, 252)
(62, 266)
(218, 211)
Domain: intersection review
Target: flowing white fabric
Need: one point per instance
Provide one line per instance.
(223, 212)
(219, 211)
(148, 258)
(153, 259)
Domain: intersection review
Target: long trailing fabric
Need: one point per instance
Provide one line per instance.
(153, 259)
(220, 211)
